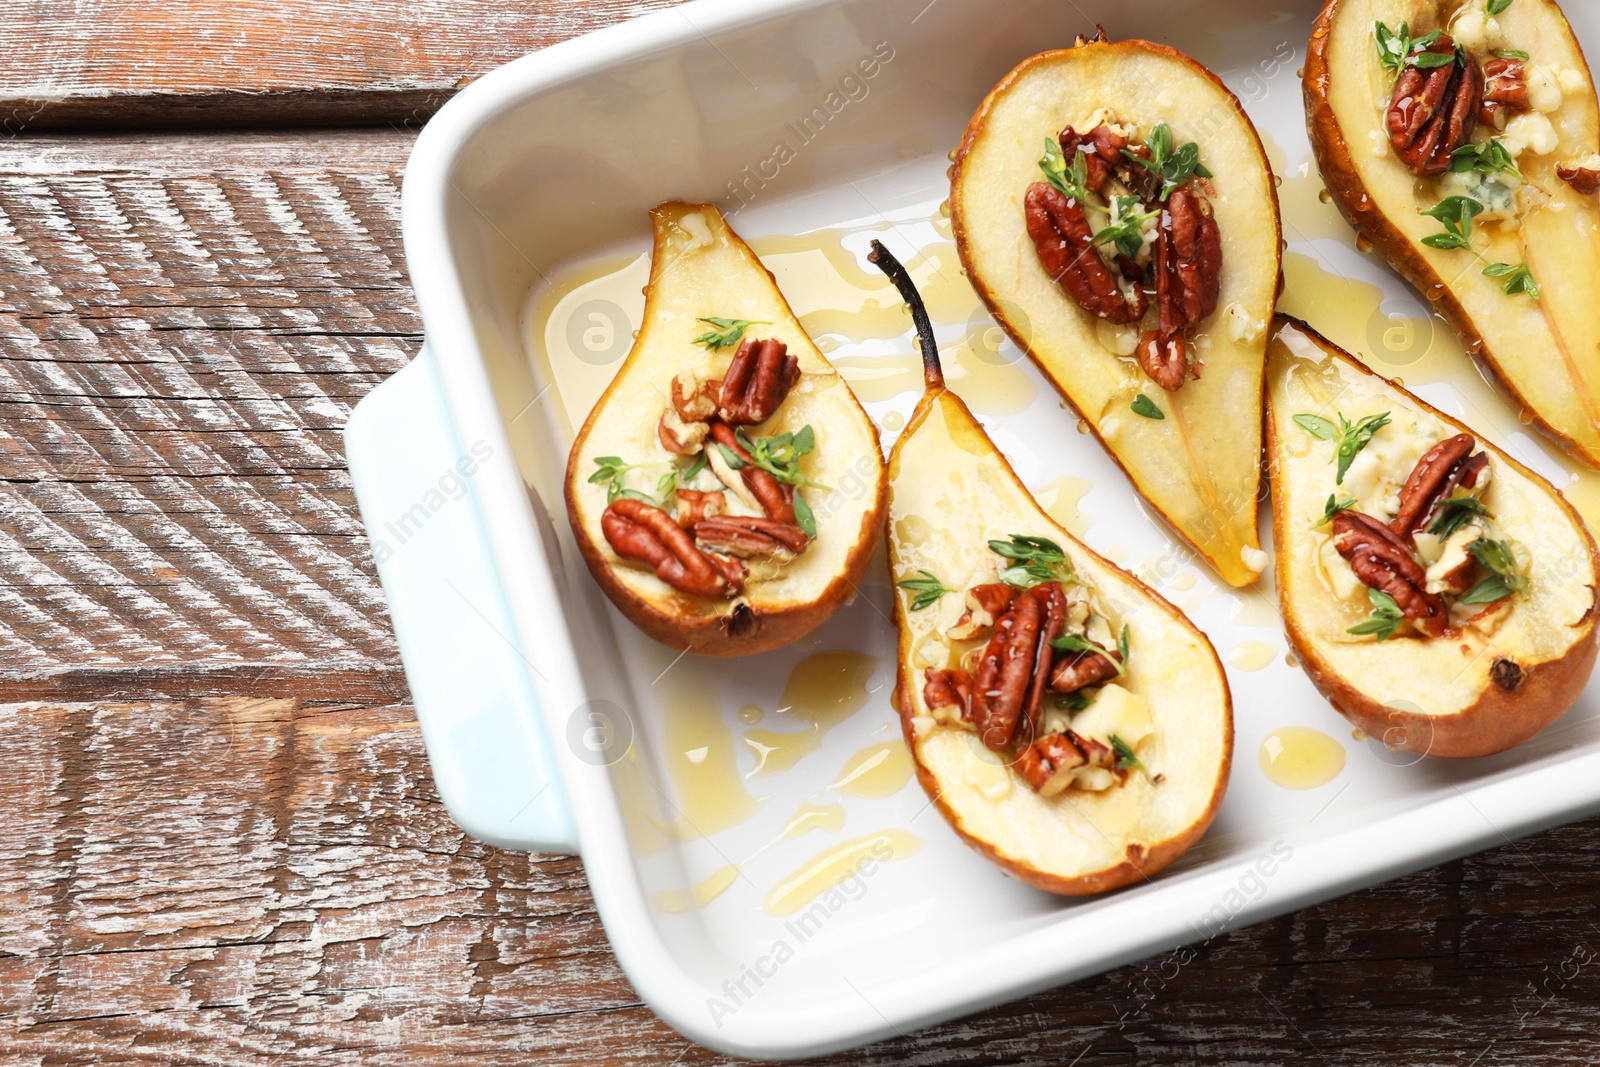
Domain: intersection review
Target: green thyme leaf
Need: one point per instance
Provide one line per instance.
(610, 471)
(1429, 60)
(1452, 514)
(1175, 164)
(1488, 591)
(1353, 438)
(1127, 226)
(1397, 48)
(1071, 177)
(1511, 53)
(1126, 760)
(1335, 505)
(1073, 702)
(1393, 46)
(667, 485)
(688, 474)
(1122, 645)
(1486, 157)
(1033, 549)
(1143, 405)
(929, 590)
(1455, 213)
(727, 332)
(803, 516)
(1497, 7)
(1386, 617)
(1034, 560)
(1027, 575)
(1446, 242)
(779, 455)
(1317, 426)
(616, 493)
(1518, 278)
(607, 468)
(1499, 560)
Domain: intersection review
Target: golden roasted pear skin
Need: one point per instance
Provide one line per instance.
(1543, 352)
(729, 599)
(1200, 465)
(1470, 692)
(951, 491)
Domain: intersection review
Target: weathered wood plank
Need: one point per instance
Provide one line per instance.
(184, 328)
(102, 63)
(266, 881)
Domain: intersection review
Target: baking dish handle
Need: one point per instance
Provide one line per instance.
(474, 695)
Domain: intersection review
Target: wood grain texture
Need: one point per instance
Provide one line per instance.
(261, 882)
(185, 63)
(181, 342)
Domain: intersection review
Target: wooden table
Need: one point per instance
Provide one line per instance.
(219, 842)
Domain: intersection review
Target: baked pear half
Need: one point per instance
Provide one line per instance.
(1461, 139)
(1114, 209)
(727, 490)
(1068, 722)
(1439, 593)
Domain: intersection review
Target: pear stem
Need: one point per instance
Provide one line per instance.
(884, 260)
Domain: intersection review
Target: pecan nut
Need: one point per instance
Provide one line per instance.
(1444, 468)
(1433, 111)
(1064, 241)
(948, 695)
(1382, 561)
(639, 531)
(696, 507)
(748, 537)
(1013, 671)
(1083, 669)
(757, 383)
(1505, 81)
(682, 429)
(1188, 269)
(1165, 361)
(775, 499)
(1103, 149)
(1582, 174)
(985, 604)
(1048, 763)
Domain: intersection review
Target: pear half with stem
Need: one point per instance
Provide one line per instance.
(727, 490)
(1504, 247)
(1123, 761)
(1191, 447)
(1501, 552)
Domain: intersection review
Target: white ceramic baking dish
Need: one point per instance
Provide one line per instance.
(552, 725)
